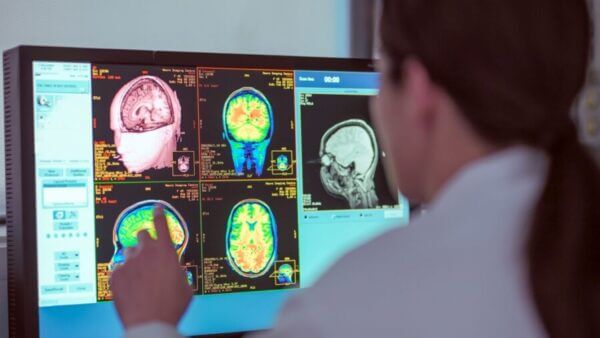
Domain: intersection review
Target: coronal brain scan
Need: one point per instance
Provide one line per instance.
(140, 216)
(145, 116)
(251, 238)
(349, 157)
(248, 127)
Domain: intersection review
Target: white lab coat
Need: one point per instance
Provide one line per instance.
(459, 270)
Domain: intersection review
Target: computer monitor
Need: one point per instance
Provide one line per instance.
(268, 169)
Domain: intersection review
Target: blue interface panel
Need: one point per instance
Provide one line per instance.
(267, 176)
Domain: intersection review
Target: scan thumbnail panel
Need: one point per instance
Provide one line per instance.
(145, 123)
(247, 123)
(123, 210)
(250, 236)
(341, 159)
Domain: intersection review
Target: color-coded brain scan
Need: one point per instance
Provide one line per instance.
(189, 277)
(283, 163)
(285, 274)
(349, 157)
(251, 238)
(140, 216)
(145, 116)
(248, 127)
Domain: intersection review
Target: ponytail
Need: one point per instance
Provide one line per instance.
(564, 243)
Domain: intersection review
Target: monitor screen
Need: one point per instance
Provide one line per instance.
(267, 176)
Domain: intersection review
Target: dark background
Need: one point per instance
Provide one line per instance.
(217, 201)
(107, 89)
(220, 86)
(129, 194)
(327, 111)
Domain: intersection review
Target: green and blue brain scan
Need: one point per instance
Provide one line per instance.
(140, 216)
(189, 277)
(285, 274)
(248, 127)
(283, 162)
(251, 238)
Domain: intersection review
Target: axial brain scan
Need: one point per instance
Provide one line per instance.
(349, 156)
(140, 216)
(283, 163)
(248, 127)
(145, 116)
(251, 238)
(183, 164)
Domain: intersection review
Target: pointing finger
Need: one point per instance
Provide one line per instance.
(160, 223)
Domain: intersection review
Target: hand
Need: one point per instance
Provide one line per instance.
(151, 286)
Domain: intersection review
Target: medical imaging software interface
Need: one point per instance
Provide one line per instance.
(266, 176)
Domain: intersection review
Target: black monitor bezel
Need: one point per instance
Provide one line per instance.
(19, 146)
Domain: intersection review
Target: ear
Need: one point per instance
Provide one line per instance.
(421, 90)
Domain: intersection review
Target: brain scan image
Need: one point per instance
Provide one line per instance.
(251, 238)
(283, 163)
(145, 116)
(189, 277)
(248, 128)
(285, 274)
(183, 163)
(349, 156)
(140, 216)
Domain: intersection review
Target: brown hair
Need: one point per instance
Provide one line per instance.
(515, 67)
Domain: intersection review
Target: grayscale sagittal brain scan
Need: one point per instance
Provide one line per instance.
(341, 160)
(348, 155)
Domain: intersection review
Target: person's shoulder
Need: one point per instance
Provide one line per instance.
(392, 251)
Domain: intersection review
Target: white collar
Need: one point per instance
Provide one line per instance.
(501, 169)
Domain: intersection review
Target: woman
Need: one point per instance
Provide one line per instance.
(474, 116)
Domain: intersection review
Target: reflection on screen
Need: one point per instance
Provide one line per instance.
(267, 176)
